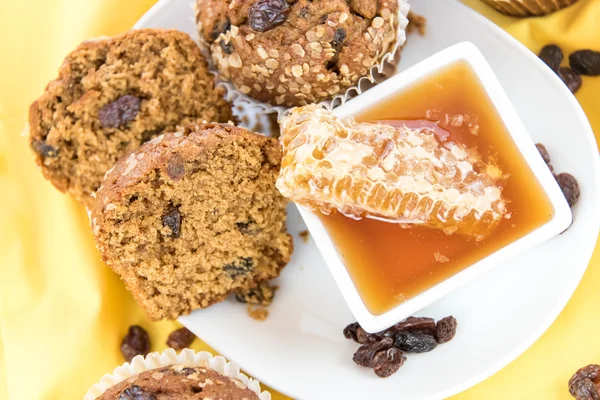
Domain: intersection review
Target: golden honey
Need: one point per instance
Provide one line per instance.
(390, 263)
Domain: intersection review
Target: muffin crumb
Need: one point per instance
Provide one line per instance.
(258, 313)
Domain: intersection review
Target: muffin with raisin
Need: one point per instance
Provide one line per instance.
(296, 52)
(186, 375)
(111, 95)
(192, 216)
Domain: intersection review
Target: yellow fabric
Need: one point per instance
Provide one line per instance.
(63, 313)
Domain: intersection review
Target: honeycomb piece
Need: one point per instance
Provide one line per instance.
(379, 171)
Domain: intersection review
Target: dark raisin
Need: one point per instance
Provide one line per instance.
(338, 38)
(365, 353)
(172, 220)
(571, 78)
(263, 294)
(135, 392)
(265, 15)
(363, 336)
(217, 30)
(119, 112)
(544, 153)
(350, 331)
(552, 55)
(585, 383)
(304, 12)
(355, 332)
(180, 339)
(569, 186)
(249, 227)
(136, 342)
(412, 324)
(186, 371)
(387, 362)
(175, 167)
(445, 329)
(226, 47)
(415, 342)
(240, 267)
(586, 62)
(44, 149)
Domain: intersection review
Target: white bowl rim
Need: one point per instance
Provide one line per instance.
(469, 53)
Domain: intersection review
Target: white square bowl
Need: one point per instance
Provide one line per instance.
(561, 220)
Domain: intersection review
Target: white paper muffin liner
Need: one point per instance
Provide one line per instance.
(238, 98)
(168, 357)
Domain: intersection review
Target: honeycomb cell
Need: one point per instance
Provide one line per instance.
(397, 174)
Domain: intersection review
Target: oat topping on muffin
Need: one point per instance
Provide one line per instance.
(300, 51)
(179, 382)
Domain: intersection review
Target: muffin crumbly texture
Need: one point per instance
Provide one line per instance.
(111, 95)
(179, 382)
(193, 215)
(305, 52)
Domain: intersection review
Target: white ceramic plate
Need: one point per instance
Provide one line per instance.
(300, 350)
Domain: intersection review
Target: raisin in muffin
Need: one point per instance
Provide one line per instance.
(111, 95)
(169, 375)
(193, 215)
(298, 51)
(179, 382)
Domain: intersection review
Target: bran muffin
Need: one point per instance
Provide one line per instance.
(111, 95)
(179, 382)
(170, 375)
(193, 215)
(297, 52)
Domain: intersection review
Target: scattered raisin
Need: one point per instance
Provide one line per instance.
(180, 339)
(175, 167)
(226, 47)
(387, 362)
(363, 336)
(412, 324)
(338, 38)
(445, 329)
(119, 112)
(544, 153)
(585, 383)
(355, 332)
(172, 220)
(136, 342)
(350, 331)
(552, 55)
(134, 392)
(365, 353)
(585, 62)
(571, 78)
(240, 267)
(249, 227)
(265, 15)
(415, 342)
(569, 186)
(217, 30)
(44, 149)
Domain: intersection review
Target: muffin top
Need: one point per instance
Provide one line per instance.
(179, 382)
(111, 95)
(298, 51)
